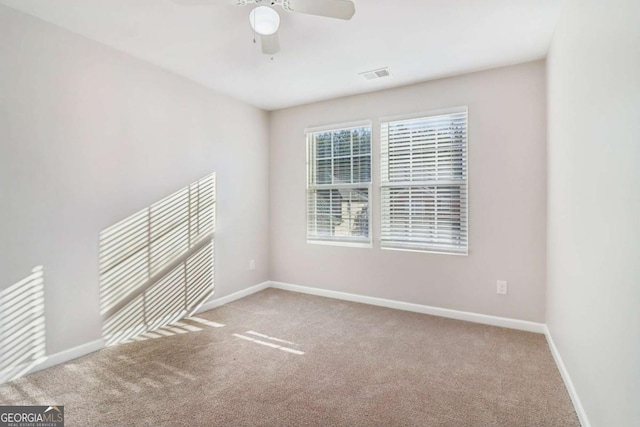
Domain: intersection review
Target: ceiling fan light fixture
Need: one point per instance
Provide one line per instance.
(264, 20)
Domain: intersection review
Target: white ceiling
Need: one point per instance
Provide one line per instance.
(320, 58)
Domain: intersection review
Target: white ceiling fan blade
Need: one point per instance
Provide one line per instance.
(340, 9)
(270, 44)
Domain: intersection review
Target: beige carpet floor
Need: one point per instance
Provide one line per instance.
(288, 359)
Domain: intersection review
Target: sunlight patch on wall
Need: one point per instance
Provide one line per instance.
(22, 326)
(156, 266)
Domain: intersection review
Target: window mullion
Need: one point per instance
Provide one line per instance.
(351, 161)
(332, 159)
(410, 189)
(331, 230)
(436, 192)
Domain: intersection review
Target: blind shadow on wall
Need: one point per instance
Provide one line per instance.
(157, 265)
(22, 326)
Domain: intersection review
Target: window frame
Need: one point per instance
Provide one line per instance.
(424, 247)
(310, 168)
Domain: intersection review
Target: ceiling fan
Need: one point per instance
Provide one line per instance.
(264, 19)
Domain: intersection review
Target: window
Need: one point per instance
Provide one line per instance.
(339, 185)
(424, 183)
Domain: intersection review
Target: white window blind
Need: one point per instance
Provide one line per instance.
(424, 183)
(339, 185)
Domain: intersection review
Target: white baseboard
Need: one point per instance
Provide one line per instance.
(90, 347)
(13, 372)
(67, 355)
(564, 373)
(504, 322)
(217, 302)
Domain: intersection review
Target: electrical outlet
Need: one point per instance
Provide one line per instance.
(252, 264)
(502, 287)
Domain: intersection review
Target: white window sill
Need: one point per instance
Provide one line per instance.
(366, 245)
(427, 251)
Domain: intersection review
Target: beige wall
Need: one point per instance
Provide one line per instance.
(89, 136)
(507, 130)
(593, 304)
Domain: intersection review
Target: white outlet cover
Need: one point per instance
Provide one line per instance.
(502, 287)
